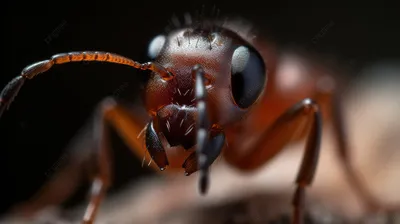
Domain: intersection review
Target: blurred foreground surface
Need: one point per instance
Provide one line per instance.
(371, 110)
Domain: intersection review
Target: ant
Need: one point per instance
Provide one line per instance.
(212, 91)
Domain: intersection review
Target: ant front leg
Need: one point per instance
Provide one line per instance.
(335, 106)
(102, 166)
(127, 126)
(276, 137)
(65, 182)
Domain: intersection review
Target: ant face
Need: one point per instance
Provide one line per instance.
(234, 73)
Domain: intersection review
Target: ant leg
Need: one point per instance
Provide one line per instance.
(128, 125)
(102, 168)
(274, 139)
(11, 90)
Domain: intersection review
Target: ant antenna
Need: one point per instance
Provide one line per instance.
(12, 88)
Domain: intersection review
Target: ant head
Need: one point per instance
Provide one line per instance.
(235, 74)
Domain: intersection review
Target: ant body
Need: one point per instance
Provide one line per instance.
(210, 87)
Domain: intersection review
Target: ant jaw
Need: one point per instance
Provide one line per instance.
(171, 139)
(190, 165)
(178, 125)
(155, 147)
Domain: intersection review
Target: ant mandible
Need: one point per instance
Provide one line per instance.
(207, 89)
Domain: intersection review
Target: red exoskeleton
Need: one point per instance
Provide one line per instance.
(213, 91)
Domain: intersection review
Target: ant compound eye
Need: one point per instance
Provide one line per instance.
(156, 46)
(247, 76)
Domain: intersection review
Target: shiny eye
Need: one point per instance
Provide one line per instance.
(156, 46)
(247, 76)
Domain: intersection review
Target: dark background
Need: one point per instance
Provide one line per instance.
(51, 108)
